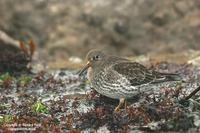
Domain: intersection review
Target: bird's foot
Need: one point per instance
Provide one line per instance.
(122, 101)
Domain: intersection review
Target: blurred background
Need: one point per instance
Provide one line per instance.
(62, 29)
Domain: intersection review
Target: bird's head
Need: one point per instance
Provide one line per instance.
(95, 59)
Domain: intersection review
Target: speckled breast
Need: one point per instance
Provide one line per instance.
(113, 85)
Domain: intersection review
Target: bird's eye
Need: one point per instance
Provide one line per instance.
(95, 57)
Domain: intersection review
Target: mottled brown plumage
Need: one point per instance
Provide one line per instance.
(120, 78)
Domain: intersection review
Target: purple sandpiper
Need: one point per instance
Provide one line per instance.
(120, 78)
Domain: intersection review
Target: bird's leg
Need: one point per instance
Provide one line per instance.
(121, 102)
(154, 98)
(125, 104)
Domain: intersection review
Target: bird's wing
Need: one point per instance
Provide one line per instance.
(136, 73)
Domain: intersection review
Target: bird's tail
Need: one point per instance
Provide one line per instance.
(164, 77)
(173, 77)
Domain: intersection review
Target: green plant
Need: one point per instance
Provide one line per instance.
(5, 118)
(5, 76)
(39, 107)
(24, 79)
(178, 83)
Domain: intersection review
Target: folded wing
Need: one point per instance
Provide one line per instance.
(138, 74)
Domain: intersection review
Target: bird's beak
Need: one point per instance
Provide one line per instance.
(88, 64)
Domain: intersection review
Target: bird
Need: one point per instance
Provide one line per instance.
(120, 78)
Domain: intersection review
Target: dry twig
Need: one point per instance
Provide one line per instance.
(7, 39)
